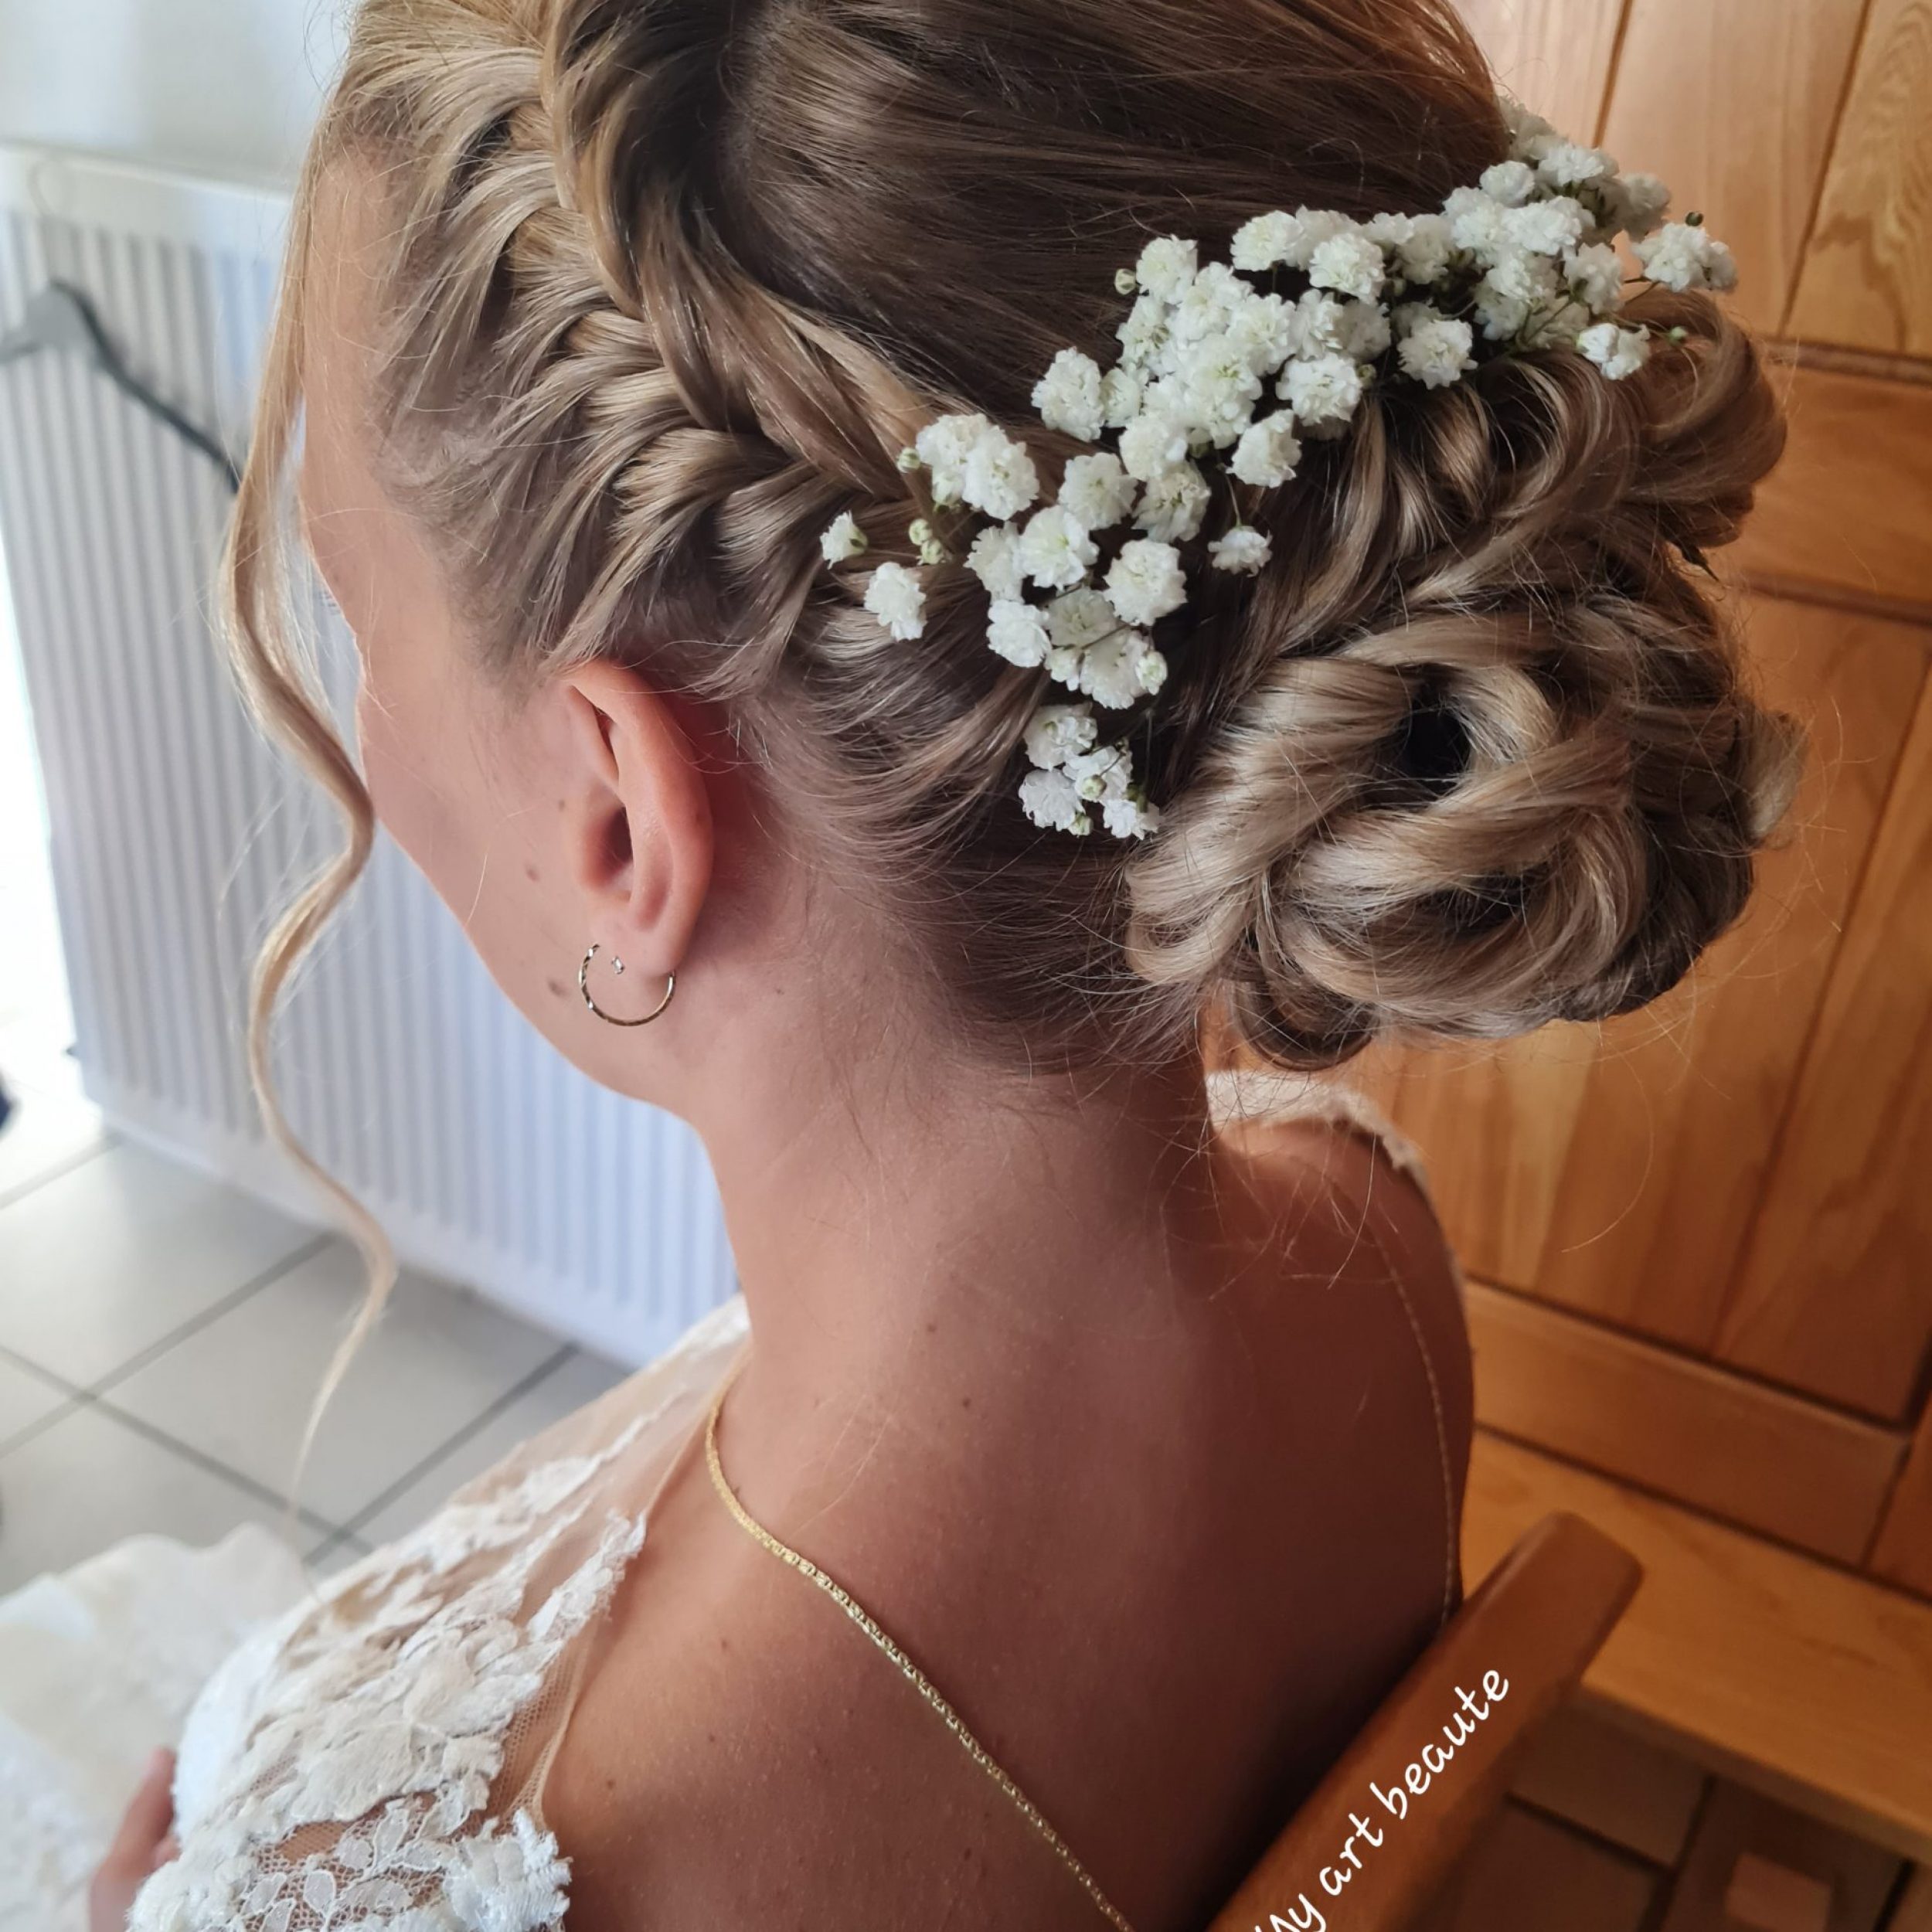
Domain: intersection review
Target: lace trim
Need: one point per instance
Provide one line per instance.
(369, 1729)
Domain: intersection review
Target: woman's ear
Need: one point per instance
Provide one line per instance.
(637, 823)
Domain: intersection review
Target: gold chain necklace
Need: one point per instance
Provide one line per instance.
(907, 1668)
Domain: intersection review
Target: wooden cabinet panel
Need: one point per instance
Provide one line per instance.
(1615, 1170)
(1914, 1913)
(1866, 279)
(1848, 514)
(1733, 103)
(1620, 1787)
(1554, 55)
(1756, 1864)
(1532, 1875)
(1835, 1295)
(1675, 1132)
(1749, 1453)
(1904, 1550)
(1788, 1674)
(1494, 1123)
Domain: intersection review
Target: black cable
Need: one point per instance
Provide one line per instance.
(58, 316)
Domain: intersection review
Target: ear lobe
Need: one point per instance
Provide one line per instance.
(637, 818)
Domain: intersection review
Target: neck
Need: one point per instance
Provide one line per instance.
(910, 1247)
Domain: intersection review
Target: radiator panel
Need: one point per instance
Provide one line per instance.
(178, 833)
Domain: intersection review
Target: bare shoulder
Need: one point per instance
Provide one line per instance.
(1361, 1202)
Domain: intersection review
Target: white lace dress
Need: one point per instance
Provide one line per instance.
(373, 1758)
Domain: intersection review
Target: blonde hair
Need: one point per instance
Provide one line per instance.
(671, 282)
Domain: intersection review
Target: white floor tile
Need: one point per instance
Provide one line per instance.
(334, 1552)
(88, 1480)
(25, 1398)
(239, 1389)
(48, 1131)
(103, 1261)
(581, 1377)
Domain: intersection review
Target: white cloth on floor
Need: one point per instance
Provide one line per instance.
(98, 1667)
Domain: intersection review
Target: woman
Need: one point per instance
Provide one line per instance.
(692, 396)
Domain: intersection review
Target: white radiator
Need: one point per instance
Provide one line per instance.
(177, 833)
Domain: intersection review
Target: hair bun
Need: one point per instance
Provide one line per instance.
(1538, 799)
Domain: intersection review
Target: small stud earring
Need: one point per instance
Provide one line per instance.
(616, 966)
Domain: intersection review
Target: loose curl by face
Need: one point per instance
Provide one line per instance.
(672, 283)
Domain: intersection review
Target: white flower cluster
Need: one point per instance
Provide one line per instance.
(1524, 260)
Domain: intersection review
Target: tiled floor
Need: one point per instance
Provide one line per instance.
(161, 1339)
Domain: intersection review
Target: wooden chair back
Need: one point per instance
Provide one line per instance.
(1379, 1836)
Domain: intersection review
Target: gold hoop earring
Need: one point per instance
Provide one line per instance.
(616, 965)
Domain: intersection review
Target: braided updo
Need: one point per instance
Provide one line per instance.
(672, 282)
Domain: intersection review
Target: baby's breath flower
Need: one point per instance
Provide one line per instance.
(1636, 203)
(1313, 226)
(1208, 302)
(1424, 256)
(1511, 182)
(1518, 275)
(998, 475)
(843, 538)
(1166, 266)
(1268, 452)
(1055, 550)
(1475, 220)
(1366, 333)
(1680, 255)
(1068, 395)
(1595, 273)
(1243, 549)
(931, 550)
(1048, 798)
(1120, 397)
(1618, 352)
(1435, 347)
(1145, 581)
(1262, 331)
(1017, 631)
(1076, 619)
(1215, 391)
(1100, 772)
(1350, 262)
(1112, 673)
(1154, 441)
(1529, 133)
(1547, 227)
(1564, 164)
(1097, 489)
(1058, 732)
(1259, 244)
(1322, 389)
(1321, 325)
(897, 599)
(944, 446)
(1143, 334)
(1502, 315)
(1128, 816)
(1173, 504)
(994, 559)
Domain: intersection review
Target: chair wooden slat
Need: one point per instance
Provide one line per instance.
(1512, 1653)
